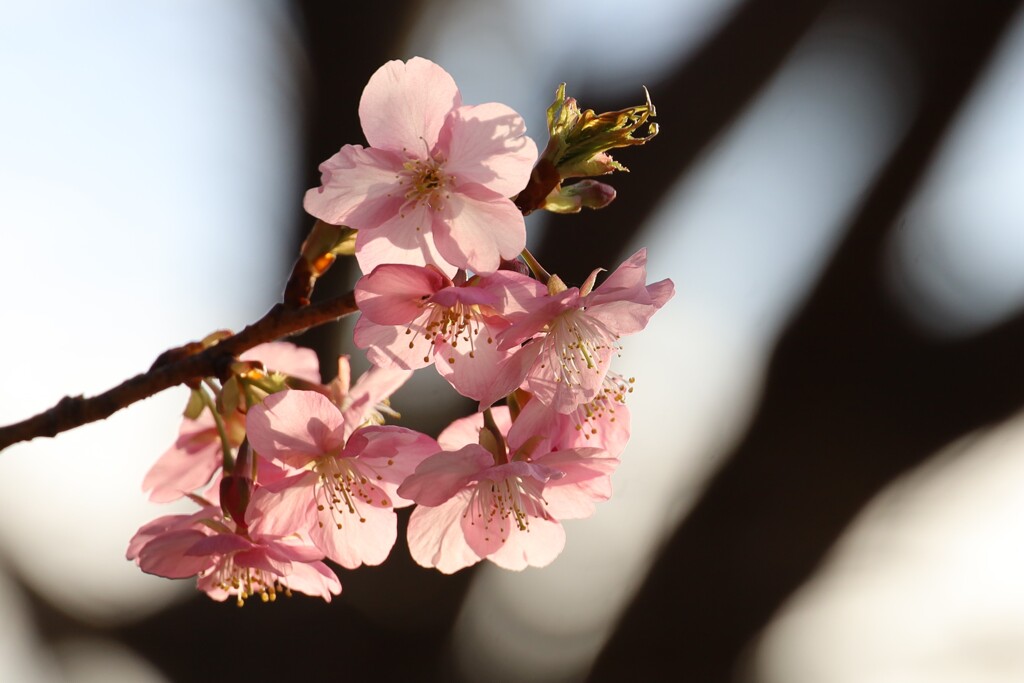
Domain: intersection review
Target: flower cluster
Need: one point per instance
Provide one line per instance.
(289, 472)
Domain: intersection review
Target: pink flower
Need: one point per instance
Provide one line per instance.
(414, 315)
(228, 561)
(345, 495)
(470, 508)
(573, 333)
(474, 504)
(543, 436)
(434, 185)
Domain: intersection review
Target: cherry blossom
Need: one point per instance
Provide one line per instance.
(543, 436)
(414, 315)
(474, 503)
(228, 561)
(470, 508)
(572, 333)
(434, 184)
(345, 492)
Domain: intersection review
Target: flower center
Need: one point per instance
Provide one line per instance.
(579, 343)
(453, 324)
(245, 582)
(342, 489)
(494, 502)
(587, 417)
(426, 182)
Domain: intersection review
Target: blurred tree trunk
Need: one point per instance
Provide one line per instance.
(853, 398)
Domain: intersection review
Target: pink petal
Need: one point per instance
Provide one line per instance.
(388, 346)
(576, 501)
(586, 480)
(661, 291)
(295, 551)
(487, 375)
(373, 386)
(260, 557)
(288, 358)
(441, 476)
(284, 507)
(487, 144)
(511, 374)
(605, 426)
(623, 302)
(624, 281)
(165, 555)
(622, 317)
(532, 474)
(538, 314)
(188, 465)
(389, 455)
(394, 294)
(435, 536)
(536, 548)
(359, 188)
(516, 292)
(406, 237)
(313, 578)
(485, 534)
(479, 228)
(362, 538)
(536, 418)
(342, 383)
(612, 432)
(166, 523)
(210, 584)
(218, 544)
(404, 105)
(467, 296)
(295, 427)
(466, 430)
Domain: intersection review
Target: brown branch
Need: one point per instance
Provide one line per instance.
(75, 411)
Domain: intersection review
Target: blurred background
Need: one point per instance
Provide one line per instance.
(824, 483)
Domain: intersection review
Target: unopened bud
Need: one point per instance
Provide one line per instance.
(234, 497)
(324, 242)
(587, 193)
(515, 265)
(321, 247)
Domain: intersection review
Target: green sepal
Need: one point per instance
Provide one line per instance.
(195, 405)
(230, 396)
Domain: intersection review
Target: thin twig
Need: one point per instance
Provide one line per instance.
(75, 411)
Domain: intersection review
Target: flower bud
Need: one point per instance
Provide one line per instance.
(585, 193)
(321, 247)
(579, 140)
(516, 265)
(234, 497)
